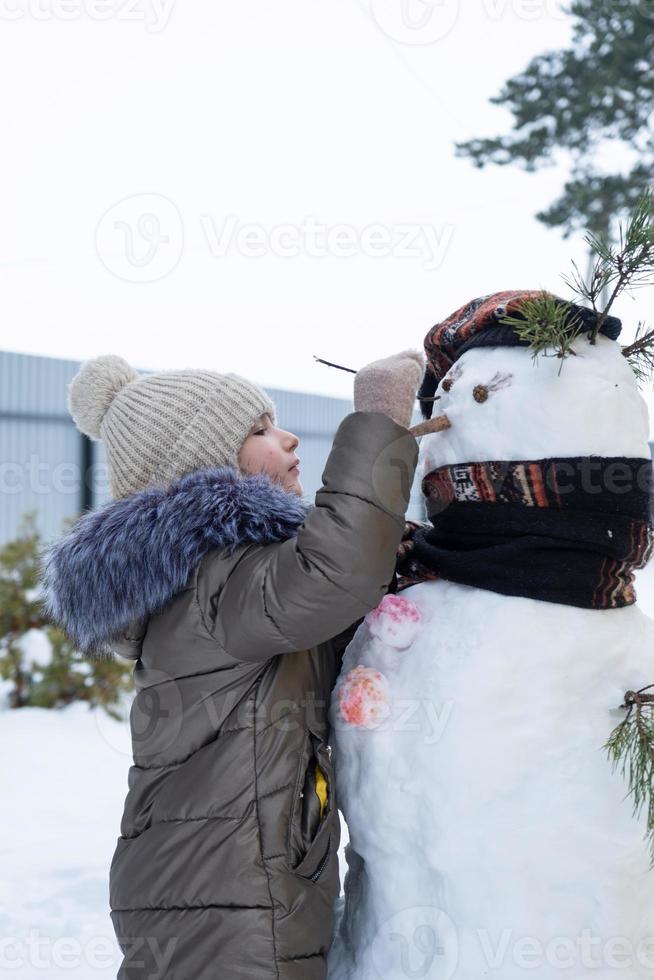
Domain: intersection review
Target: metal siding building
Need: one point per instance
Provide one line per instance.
(40, 448)
(43, 457)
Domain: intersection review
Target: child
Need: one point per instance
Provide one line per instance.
(234, 598)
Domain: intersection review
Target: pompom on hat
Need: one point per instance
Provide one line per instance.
(479, 324)
(92, 391)
(158, 427)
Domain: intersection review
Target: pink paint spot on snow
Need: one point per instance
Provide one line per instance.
(395, 621)
(363, 697)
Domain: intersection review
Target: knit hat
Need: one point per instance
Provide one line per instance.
(478, 324)
(157, 427)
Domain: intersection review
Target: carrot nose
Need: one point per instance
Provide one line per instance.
(439, 424)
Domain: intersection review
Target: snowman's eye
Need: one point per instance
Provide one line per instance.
(454, 375)
(481, 393)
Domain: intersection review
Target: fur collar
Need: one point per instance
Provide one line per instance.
(125, 561)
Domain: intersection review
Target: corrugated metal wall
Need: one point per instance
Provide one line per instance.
(43, 456)
(40, 449)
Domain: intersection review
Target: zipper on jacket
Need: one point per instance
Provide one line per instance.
(321, 867)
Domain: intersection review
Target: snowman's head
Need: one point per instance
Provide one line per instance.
(504, 404)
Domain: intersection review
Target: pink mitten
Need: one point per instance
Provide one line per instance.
(390, 385)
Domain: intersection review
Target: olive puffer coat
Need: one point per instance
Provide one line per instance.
(234, 599)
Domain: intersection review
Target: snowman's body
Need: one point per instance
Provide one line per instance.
(489, 835)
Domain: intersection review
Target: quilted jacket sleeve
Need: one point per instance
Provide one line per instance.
(292, 595)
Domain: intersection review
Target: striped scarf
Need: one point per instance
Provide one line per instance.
(570, 531)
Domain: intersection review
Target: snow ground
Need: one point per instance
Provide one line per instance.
(63, 780)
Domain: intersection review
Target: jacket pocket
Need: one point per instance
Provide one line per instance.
(312, 810)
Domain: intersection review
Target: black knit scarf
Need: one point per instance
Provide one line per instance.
(569, 531)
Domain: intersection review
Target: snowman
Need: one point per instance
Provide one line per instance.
(489, 836)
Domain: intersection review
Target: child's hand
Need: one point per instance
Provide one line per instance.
(408, 569)
(390, 385)
(407, 544)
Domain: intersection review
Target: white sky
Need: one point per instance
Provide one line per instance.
(214, 115)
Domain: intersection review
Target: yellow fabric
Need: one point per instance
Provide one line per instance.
(321, 789)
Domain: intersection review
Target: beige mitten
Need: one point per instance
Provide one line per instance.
(390, 385)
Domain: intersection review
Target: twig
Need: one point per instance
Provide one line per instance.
(639, 345)
(633, 262)
(638, 697)
(330, 364)
(320, 360)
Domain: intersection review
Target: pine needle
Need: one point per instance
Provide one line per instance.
(547, 325)
(625, 266)
(640, 355)
(551, 327)
(630, 748)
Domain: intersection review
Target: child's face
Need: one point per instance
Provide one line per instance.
(271, 450)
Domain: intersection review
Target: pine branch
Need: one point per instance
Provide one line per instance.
(625, 267)
(630, 748)
(549, 326)
(640, 354)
